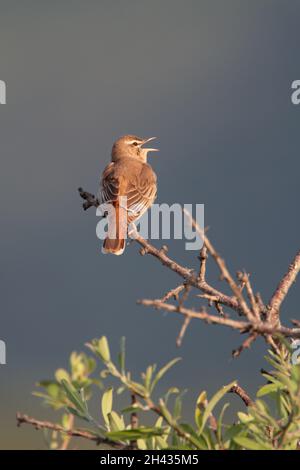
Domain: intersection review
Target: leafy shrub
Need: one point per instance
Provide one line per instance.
(271, 422)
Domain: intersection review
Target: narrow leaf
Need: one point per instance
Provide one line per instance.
(106, 403)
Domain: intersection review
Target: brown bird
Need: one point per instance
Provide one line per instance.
(131, 179)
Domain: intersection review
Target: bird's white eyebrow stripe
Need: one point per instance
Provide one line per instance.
(134, 140)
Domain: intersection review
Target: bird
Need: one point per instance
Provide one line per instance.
(129, 176)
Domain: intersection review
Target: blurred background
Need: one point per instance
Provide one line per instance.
(212, 80)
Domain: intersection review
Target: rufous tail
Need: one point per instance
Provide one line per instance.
(116, 244)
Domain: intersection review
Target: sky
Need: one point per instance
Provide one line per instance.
(212, 80)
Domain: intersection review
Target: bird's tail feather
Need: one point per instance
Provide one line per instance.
(116, 244)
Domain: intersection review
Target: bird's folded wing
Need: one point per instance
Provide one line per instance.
(139, 190)
(140, 195)
(110, 186)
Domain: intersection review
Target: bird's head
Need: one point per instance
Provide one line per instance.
(131, 146)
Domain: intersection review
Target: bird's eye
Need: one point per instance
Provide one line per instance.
(135, 144)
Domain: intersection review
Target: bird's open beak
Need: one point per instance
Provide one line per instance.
(149, 140)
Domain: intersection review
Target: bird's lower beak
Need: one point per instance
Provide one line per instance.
(149, 140)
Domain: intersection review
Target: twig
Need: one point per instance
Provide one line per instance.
(242, 326)
(245, 345)
(68, 437)
(173, 293)
(244, 277)
(222, 266)
(242, 394)
(185, 273)
(203, 257)
(70, 432)
(260, 320)
(283, 288)
(90, 199)
(183, 329)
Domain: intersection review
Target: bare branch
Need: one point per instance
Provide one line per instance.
(185, 273)
(259, 319)
(244, 277)
(203, 257)
(90, 199)
(245, 345)
(283, 288)
(173, 293)
(241, 393)
(183, 329)
(70, 432)
(260, 328)
(222, 266)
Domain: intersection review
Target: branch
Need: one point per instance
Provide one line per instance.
(242, 394)
(283, 288)
(187, 274)
(240, 325)
(259, 319)
(222, 266)
(70, 432)
(90, 199)
(173, 293)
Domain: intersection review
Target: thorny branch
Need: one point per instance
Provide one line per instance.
(258, 319)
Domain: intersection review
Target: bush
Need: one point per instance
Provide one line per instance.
(270, 422)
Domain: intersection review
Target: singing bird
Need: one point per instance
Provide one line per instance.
(131, 179)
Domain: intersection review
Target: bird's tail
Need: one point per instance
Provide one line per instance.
(115, 241)
(116, 246)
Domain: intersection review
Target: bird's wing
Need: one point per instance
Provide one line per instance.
(110, 185)
(139, 187)
(141, 192)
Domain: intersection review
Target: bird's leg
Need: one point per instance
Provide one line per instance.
(132, 231)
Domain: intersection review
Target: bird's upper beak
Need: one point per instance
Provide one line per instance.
(149, 140)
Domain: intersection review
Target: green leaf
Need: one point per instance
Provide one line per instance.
(148, 377)
(220, 422)
(250, 444)
(61, 374)
(159, 422)
(162, 372)
(74, 397)
(134, 434)
(141, 444)
(191, 432)
(122, 355)
(267, 389)
(103, 349)
(165, 412)
(201, 400)
(171, 391)
(106, 403)
(244, 418)
(132, 408)
(77, 413)
(213, 402)
(116, 422)
(161, 443)
(233, 431)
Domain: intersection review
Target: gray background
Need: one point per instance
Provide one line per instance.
(212, 80)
